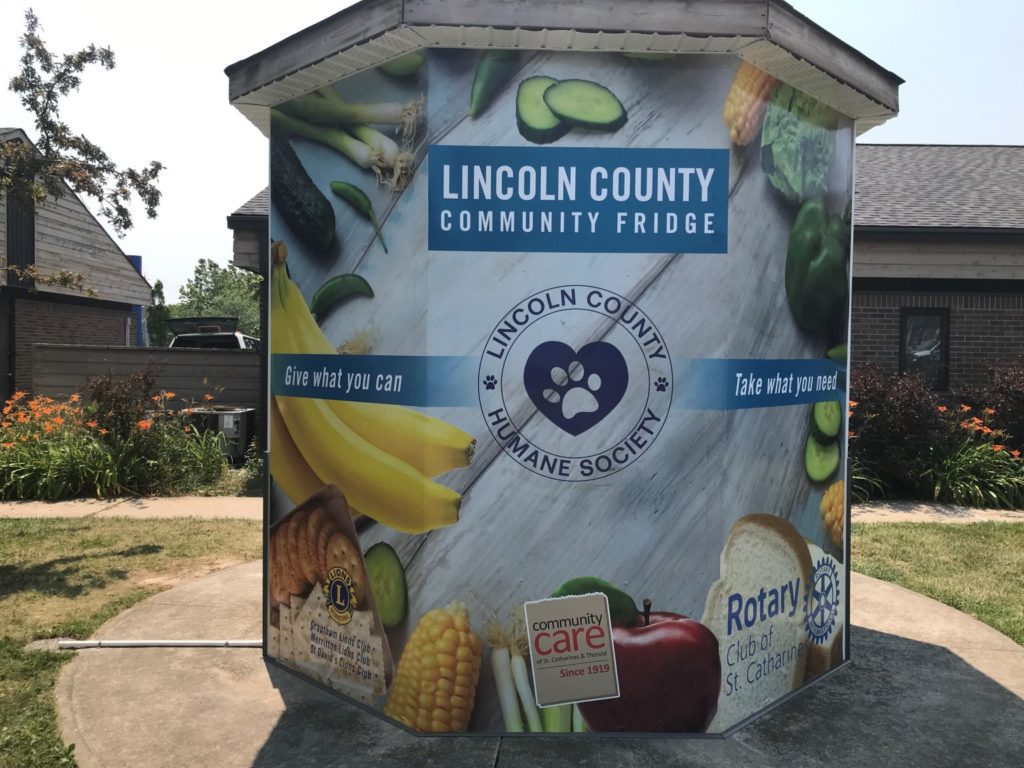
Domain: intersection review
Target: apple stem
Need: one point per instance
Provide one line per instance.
(647, 611)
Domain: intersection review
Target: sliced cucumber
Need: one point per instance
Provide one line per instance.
(826, 420)
(536, 122)
(820, 461)
(387, 580)
(586, 104)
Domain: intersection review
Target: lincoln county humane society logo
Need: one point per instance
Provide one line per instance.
(575, 382)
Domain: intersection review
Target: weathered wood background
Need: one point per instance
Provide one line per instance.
(657, 527)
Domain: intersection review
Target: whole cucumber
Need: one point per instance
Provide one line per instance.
(335, 291)
(304, 208)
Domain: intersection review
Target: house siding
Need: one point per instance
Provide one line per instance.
(985, 329)
(38, 321)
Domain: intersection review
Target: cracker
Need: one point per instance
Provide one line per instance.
(275, 569)
(315, 523)
(320, 545)
(343, 553)
(294, 577)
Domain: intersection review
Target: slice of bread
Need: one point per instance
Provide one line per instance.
(763, 656)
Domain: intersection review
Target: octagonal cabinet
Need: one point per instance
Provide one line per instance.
(559, 300)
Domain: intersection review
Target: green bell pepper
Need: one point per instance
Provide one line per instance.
(816, 267)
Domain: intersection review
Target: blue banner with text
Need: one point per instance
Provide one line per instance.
(578, 199)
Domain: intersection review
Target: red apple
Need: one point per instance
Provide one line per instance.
(669, 677)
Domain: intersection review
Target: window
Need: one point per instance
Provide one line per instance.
(21, 239)
(924, 344)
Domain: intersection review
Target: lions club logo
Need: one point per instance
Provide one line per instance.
(575, 382)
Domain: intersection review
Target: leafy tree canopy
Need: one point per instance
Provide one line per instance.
(217, 290)
(60, 156)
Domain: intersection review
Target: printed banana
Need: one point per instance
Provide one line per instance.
(287, 467)
(430, 445)
(378, 484)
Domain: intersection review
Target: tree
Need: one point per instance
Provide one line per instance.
(61, 157)
(156, 318)
(225, 291)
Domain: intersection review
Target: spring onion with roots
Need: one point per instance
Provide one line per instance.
(396, 164)
(579, 725)
(355, 150)
(521, 676)
(501, 666)
(327, 107)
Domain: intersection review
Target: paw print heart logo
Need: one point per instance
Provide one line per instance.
(575, 390)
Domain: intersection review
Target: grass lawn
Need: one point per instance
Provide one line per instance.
(63, 578)
(977, 568)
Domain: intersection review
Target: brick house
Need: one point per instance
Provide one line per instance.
(62, 234)
(938, 278)
(938, 281)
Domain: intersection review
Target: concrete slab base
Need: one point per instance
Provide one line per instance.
(929, 687)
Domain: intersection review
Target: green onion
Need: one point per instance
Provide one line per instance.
(336, 139)
(520, 648)
(501, 666)
(579, 725)
(377, 141)
(327, 107)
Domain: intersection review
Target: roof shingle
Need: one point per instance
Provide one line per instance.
(933, 185)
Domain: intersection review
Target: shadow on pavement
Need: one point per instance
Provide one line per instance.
(901, 703)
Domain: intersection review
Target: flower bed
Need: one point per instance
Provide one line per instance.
(124, 439)
(906, 443)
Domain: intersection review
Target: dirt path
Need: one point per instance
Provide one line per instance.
(919, 512)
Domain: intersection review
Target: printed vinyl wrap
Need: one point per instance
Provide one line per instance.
(549, 325)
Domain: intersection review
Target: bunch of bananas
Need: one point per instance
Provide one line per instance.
(381, 456)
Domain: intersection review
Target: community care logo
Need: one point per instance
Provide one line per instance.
(575, 382)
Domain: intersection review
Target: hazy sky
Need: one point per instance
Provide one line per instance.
(167, 99)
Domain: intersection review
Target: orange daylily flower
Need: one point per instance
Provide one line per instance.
(92, 424)
(48, 427)
(964, 408)
(155, 398)
(207, 397)
(104, 431)
(966, 425)
(853, 403)
(74, 398)
(1015, 454)
(975, 420)
(943, 409)
(169, 394)
(986, 430)
(989, 411)
(144, 424)
(5, 424)
(7, 445)
(997, 447)
(58, 420)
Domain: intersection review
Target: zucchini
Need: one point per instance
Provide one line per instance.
(304, 208)
(536, 122)
(493, 71)
(826, 421)
(820, 461)
(387, 580)
(586, 104)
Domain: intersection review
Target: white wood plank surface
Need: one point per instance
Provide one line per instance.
(656, 527)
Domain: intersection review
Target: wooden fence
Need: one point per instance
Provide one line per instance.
(231, 376)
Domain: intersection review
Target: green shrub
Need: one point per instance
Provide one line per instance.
(1004, 396)
(905, 443)
(128, 441)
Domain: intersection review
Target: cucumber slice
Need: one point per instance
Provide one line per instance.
(387, 580)
(826, 420)
(536, 122)
(586, 104)
(820, 461)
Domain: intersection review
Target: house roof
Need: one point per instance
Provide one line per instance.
(911, 186)
(770, 34)
(257, 205)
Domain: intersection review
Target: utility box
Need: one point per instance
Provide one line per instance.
(558, 358)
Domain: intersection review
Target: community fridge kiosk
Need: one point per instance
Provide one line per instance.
(559, 311)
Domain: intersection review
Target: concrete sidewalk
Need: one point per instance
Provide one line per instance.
(928, 687)
(247, 507)
(251, 508)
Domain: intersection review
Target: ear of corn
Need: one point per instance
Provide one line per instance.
(744, 106)
(435, 686)
(833, 504)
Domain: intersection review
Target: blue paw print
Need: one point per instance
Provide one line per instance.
(490, 382)
(661, 384)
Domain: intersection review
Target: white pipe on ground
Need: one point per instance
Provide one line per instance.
(78, 645)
